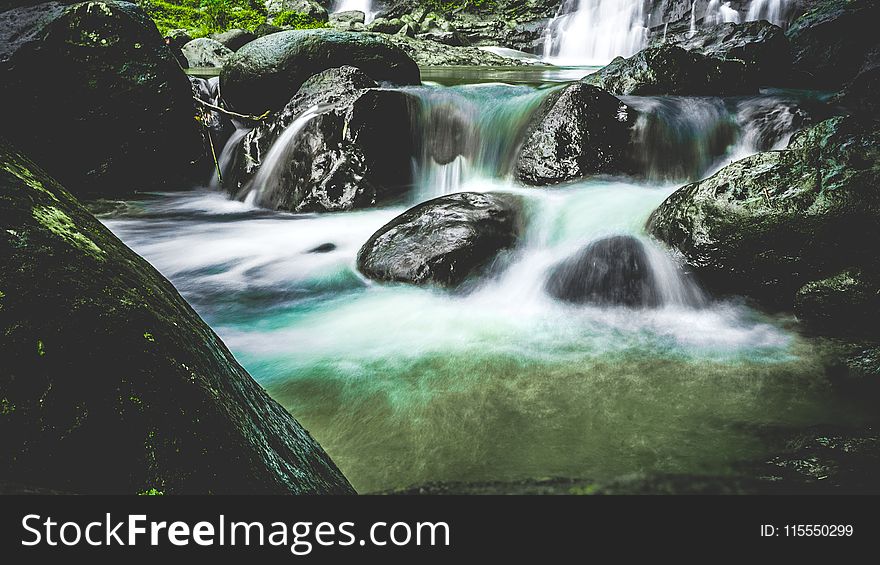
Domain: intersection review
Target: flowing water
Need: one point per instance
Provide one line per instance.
(405, 385)
(365, 6)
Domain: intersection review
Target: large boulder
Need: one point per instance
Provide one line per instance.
(761, 45)
(579, 130)
(354, 152)
(860, 96)
(830, 43)
(205, 52)
(111, 383)
(443, 241)
(265, 73)
(669, 69)
(613, 271)
(769, 224)
(234, 39)
(96, 97)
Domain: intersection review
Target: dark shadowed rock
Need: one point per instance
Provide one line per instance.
(669, 69)
(111, 383)
(234, 39)
(761, 45)
(830, 43)
(442, 241)
(265, 73)
(847, 302)
(353, 152)
(610, 271)
(99, 99)
(768, 224)
(859, 97)
(579, 130)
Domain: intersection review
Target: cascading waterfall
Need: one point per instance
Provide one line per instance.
(774, 11)
(593, 32)
(718, 13)
(261, 190)
(365, 6)
(407, 385)
(468, 134)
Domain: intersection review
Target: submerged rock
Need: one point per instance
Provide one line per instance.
(770, 223)
(353, 152)
(234, 39)
(443, 241)
(111, 383)
(265, 73)
(669, 69)
(99, 100)
(204, 52)
(611, 271)
(579, 130)
(761, 45)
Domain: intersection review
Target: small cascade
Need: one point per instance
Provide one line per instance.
(227, 158)
(262, 189)
(593, 32)
(685, 138)
(365, 6)
(467, 134)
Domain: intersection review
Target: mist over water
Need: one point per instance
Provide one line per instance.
(500, 381)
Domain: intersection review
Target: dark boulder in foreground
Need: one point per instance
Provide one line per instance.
(611, 271)
(95, 96)
(579, 130)
(761, 45)
(832, 42)
(265, 73)
(769, 224)
(671, 70)
(443, 241)
(111, 383)
(353, 152)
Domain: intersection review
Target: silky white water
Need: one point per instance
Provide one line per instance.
(365, 6)
(405, 385)
(593, 32)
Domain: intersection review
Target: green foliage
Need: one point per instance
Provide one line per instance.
(297, 20)
(151, 492)
(467, 6)
(204, 17)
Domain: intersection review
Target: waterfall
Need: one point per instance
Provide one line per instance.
(718, 13)
(693, 28)
(774, 11)
(261, 190)
(468, 134)
(593, 32)
(365, 6)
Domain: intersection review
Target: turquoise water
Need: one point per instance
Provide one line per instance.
(405, 385)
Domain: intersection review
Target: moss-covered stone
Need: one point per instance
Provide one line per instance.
(847, 302)
(111, 383)
(99, 99)
(768, 224)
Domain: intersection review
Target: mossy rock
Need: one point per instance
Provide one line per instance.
(768, 224)
(99, 99)
(111, 383)
(266, 73)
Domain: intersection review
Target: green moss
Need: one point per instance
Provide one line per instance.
(41, 350)
(60, 224)
(151, 492)
(585, 490)
(297, 20)
(204, 17)
(149, 337)
(6, 407)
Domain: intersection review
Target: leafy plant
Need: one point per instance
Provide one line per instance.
(297, 20)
